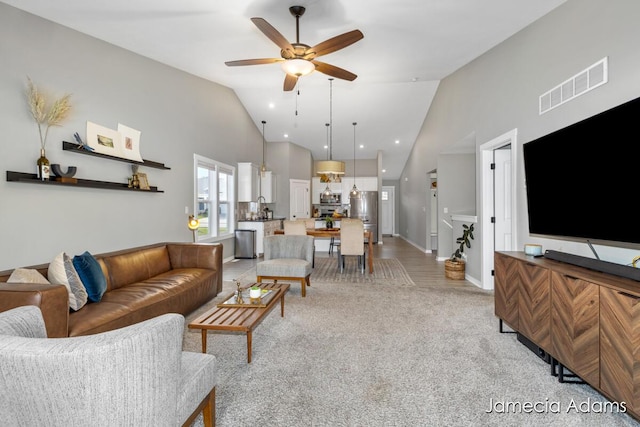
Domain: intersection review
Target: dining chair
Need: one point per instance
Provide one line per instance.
(351, 242)
(299, 228)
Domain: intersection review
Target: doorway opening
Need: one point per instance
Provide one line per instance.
(498, 182)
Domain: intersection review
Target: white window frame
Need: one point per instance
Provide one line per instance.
(215, 169)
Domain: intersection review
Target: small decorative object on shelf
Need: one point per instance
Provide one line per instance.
(135, 182)
(43, 166)
(64, 176)
(45, 116)
(81, 143)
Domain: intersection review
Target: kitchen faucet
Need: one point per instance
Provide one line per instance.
(260, 212)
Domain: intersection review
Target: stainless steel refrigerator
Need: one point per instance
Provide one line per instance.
(365, 208)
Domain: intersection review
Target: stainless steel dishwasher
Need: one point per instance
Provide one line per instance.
(245, 244)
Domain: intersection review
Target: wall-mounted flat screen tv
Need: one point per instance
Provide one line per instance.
(583, 181)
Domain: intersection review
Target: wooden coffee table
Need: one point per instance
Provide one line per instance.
(240, 319)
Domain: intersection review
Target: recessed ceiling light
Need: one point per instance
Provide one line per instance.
(384, 170)
(326, 146)
(361, 145)
(397, 141)
(272, 105)
(286, 135)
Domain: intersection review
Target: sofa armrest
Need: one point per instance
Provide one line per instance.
(197, 255)
(53, 301)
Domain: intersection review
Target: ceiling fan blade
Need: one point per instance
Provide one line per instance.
(273, 34)
(259, 61)
(334, 71)
(289, 82)
(335, 43)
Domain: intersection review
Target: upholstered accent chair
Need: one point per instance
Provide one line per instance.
(351, 242)
(287, 257)
(134, 376)
(299, 228)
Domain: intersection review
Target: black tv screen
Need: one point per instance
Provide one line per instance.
(582, 181)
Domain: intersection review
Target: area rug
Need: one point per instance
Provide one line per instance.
(388, 355)
(388, 271)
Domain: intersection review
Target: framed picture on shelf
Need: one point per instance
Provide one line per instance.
(130, 139)
(104, 140)
(144, 181)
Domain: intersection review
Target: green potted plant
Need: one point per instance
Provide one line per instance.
(328, 221)
(454, 267)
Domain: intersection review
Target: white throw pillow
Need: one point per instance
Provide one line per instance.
(62, 272)
(26, 275)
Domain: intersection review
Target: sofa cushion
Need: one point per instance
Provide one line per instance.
(91, 275)
(27, 275)
(61, 271)
(136, 266)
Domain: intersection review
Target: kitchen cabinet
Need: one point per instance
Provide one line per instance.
(268, 186)
(248, 182)
(365, 183)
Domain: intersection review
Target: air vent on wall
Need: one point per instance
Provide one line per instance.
(586, 80)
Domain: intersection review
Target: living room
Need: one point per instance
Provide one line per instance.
(182, 115)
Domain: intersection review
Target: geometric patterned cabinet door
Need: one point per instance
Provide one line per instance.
(575, 325)
(506, 289)
(534, 304)
(620, 346)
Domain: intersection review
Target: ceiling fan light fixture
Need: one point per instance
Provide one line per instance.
(298, 67)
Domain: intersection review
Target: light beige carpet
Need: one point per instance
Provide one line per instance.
(361, 355)
(388, 271)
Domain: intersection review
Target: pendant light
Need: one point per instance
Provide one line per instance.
(263, 167)
(330, 167)
(354, 193)
(327, 191)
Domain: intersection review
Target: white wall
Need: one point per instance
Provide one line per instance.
(499, 91)
(179, 115)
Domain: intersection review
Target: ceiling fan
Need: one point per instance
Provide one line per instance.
(299, 59)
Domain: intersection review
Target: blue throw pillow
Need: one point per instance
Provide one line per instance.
(91, 275)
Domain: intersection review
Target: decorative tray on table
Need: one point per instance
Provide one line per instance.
(232, 300)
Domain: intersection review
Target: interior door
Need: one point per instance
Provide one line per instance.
(387, 212)
(502, 199)
(299, 198)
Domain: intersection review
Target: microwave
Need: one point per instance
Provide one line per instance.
(332, 199)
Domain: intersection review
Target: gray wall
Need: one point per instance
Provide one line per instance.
(179, 115)
(287, 161)
(499, 91)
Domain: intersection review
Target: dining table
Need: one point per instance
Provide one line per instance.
(327, 233)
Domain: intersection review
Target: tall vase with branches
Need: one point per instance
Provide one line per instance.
(45, 116)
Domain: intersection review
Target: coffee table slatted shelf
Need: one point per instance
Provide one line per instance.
(243, 319)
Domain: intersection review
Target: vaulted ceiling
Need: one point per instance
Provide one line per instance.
(408, 47)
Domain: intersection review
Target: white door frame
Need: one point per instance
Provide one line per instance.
(486, 201)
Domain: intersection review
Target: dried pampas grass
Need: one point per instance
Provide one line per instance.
(52, 116)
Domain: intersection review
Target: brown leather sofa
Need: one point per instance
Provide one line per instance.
(142, 283)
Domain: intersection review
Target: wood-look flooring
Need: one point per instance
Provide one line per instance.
(423, 268)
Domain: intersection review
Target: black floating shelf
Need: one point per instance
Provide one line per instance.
(32, 178)
(70, 146)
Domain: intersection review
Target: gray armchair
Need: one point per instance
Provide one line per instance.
(287, 257)
(134, 376)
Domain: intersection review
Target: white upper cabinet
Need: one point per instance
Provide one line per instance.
(248, 182)
(268, 184)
